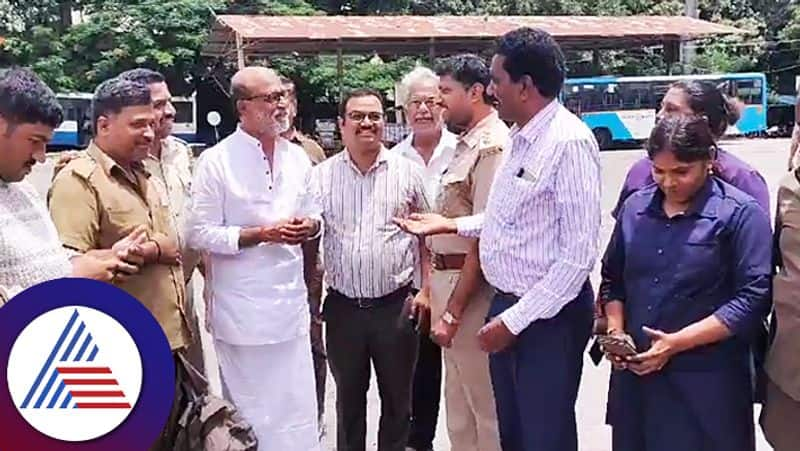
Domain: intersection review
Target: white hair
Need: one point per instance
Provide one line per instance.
(418, 75)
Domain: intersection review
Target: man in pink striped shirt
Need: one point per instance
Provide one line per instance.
(538, 243)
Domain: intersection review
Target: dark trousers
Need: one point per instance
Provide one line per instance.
(536, 379)
(166, 441)
(427, 393)
(381, 335)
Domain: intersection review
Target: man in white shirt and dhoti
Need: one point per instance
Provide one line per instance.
(250, 213)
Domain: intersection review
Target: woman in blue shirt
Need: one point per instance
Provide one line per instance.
(687, 278)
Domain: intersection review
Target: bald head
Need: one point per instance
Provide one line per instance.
(247, 81)
(260, 101)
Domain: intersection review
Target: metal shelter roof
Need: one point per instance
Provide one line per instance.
(271, 35)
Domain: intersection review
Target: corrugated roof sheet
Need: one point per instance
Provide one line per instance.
(275, 34)
(393, 27)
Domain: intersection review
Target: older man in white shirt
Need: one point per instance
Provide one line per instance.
(251, 212)
(432, 147)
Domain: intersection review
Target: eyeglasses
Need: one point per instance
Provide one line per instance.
(271, 98)
(430, 102)
(359, 116)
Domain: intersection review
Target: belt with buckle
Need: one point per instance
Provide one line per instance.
(445, 262)
(367, 303)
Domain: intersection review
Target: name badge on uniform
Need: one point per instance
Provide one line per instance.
(526, 175)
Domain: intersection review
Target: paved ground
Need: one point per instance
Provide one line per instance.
(768, 156)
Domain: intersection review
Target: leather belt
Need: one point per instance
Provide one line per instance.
(445, 262)
(367, 303)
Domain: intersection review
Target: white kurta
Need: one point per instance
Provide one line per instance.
(259, 309)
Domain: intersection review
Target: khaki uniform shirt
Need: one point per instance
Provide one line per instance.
(95, 203)
(313, 150)
(783, 359)
(172, 177)
(468, 178)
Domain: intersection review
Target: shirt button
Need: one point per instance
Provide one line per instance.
(669, 225)
(661, 252)
(649, 308)
(656, 280)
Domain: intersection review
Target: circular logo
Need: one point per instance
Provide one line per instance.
(87, 366)
(74, 373)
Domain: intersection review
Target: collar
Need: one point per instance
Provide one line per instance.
(108, 164)
(254, 144)
(704, 203)
(447, 142)
(534, 126)
(472, 136)
(383, 158)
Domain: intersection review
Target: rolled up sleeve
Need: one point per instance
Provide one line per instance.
(752, 260)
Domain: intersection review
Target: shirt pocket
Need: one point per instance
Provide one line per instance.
(122, 219)
(701, 261)
(454, 189)
(515, 194)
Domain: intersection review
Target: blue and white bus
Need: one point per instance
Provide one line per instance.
(624, 108)
(76, 131)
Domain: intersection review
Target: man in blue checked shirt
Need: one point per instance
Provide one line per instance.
(538, 243)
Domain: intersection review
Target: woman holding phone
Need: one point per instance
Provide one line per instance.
(686, 287)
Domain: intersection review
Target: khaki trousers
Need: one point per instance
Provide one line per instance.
(469, 399)
(780, 417)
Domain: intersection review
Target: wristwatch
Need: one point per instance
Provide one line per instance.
(449, 318)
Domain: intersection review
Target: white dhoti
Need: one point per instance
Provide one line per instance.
(273, 388)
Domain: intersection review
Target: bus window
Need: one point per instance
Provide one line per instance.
(183, 112)
(749, 91)
(636, 96)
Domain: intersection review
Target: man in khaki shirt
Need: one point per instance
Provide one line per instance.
(312, 261)
(169, 165)
(460, 297)
(169, 162)
(101, 196)
(781, 412)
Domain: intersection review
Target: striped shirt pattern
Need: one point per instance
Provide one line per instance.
(366, 254)
(539, 235)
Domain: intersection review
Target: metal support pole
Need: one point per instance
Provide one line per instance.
(339, 72)
(239, 51)
(687, 49)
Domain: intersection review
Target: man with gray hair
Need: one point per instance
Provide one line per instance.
(431, 147)
(100, 197)
(251, 212)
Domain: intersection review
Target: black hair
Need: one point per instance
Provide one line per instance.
(114, 94)
(467, 69)
(26, 99)
(533, 52)
(689, 138)
(142, 75)
(361, 92)
(706, 99)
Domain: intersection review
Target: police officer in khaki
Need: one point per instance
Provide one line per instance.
(99, 197)
(460, 296)
(169, 165)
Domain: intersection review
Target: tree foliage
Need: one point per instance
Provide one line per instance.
(167, 35)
